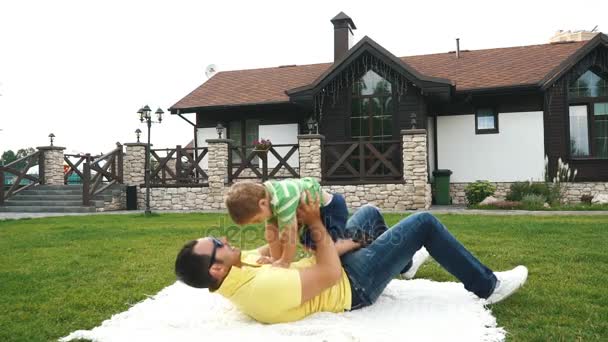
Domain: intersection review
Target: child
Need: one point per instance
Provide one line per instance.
(276, 203)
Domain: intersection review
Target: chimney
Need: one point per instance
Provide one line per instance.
(457, 47)
(343, 32)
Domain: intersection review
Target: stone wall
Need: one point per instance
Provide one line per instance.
(118, 201)
(190, 198)
(310, 155)
(459, 197)
(384, 196)
(415, 167)
(53, 164)
(134, 170)
(572, 191)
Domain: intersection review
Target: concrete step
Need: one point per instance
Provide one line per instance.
(58, 187)
(51, 192)
(33, 197)
(44, 203)
(71, 209)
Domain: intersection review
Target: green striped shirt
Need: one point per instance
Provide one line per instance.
(285, 197)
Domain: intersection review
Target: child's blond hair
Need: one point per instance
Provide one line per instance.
(242, 200)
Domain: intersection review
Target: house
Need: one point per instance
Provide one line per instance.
(490, 114)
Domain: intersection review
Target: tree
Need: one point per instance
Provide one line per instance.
(8, 157)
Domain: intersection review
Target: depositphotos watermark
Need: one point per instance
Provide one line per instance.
(251, 236)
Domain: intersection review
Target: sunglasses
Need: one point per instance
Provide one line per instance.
(216, 244)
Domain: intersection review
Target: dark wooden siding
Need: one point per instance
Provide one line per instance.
(557, 136)
(463, 104)
(335, 123)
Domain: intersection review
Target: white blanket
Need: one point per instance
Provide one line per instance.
(414, 310)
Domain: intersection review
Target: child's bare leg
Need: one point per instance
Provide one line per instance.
(274, 242)
(289, 238)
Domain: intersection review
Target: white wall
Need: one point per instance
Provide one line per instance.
(202, 134)
(514, 154)
(281, 134)
(431, 145)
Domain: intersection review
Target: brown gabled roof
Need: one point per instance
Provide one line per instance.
(474, 70)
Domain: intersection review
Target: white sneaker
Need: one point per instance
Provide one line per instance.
(417, 260)
(508, 283)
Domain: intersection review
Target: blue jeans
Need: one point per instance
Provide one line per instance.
(370, 269)
(334, 216)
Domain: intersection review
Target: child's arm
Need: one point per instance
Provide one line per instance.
(272, 237)
(289, 239)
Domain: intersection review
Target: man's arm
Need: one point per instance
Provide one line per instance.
(328, 270)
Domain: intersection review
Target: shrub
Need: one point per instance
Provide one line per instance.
(586, 199)
(519, 190)
(533, 200)
(478, 191)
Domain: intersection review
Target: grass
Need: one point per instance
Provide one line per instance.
(523, 206)
(62, 274)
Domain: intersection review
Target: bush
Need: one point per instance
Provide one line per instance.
(519, 190)
(533, 201)
(586, 199)
(478, 191)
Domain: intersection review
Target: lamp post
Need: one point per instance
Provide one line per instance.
(52, 137)
(219, 129)
(145, 114)
(313, 127)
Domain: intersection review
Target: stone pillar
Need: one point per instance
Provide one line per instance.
(217, 171)
(415, 167)
(309, 150)
(51, 172)
(134, 164)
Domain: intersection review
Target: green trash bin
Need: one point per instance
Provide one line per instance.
(442, 187)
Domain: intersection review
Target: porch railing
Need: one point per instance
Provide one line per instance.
(19, 168)
(245, 162)
(178, 166)
(362, 161)
(73, 167)
(107, 170)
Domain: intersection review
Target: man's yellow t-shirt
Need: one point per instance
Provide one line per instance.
(273, 295)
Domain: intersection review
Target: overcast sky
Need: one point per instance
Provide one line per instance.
(81, 69)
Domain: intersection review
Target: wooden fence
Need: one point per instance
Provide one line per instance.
(359, 162)
(107, 170)
(245, 162)
(178, 167)
(21, 173)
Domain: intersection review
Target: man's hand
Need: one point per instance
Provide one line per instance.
(309, 209)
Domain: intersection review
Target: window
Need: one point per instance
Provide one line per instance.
(588, 116)
(372, 108)
(243, 133)
(486, 121)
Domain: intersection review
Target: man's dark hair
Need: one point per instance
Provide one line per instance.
(193, 269)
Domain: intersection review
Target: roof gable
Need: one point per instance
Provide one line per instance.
(368, 45)
(477, 70)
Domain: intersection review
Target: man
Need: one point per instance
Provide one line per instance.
(326, 282)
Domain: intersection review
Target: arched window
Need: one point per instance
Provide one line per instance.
(372, 108)
(588, 116)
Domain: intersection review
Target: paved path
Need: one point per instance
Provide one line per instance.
(457, 210)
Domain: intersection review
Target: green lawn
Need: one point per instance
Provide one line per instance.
(67, 273)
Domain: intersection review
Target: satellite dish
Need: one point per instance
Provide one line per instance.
(210, 70)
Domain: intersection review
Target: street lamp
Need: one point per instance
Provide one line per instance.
(313, 127)
(145, 114)
(52, 136)
(138, 133)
